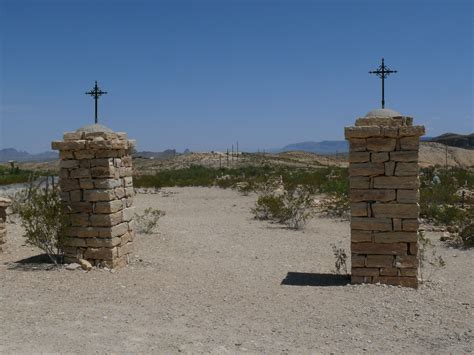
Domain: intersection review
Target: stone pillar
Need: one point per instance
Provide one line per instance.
(384, 194)
(4, 203)
(96, 184)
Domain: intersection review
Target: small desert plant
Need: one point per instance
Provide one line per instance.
(341, 258)
(435, 261)
(45, 220)
(269, 207)
(467, 235)
(147, 223)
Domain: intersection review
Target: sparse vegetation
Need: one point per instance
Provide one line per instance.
(15, 175)
(44, 220)
(147, 223)
(428, 255)
(341, 258)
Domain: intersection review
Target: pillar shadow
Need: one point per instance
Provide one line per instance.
(310, 279)
(33, 263)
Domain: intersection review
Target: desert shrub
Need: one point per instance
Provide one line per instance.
(269, 207)
(467, 235)
(427, 255)
(147, 223)
(45, 220)
(341, 259)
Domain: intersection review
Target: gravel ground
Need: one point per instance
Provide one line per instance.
(213, 280)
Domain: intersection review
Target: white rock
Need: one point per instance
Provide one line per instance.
(73, 266)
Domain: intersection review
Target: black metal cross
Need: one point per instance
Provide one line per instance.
(382, 72)
(96, 93)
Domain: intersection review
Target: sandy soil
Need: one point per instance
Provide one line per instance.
(211, 282)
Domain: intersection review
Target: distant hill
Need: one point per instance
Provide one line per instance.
(455, 140)
(22, 156)
(324, 147)
(169, 153)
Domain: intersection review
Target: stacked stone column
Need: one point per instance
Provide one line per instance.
(4, 203)
(384, 193)
(97, 189)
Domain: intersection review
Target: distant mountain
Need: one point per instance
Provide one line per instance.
(465, 141)
(21, 156)
(169, 153)
(324, 147)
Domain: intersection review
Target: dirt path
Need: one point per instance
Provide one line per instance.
(210, 282)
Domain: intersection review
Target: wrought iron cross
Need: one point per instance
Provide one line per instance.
(96, 93)
(382, 72)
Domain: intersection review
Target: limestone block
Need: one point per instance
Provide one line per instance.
(379, 249)
(128, 181)
(103, 242)
(106, 220)
(119, 192)
(389, 168)
(115, 231)
(396, 210)
(68, 164)
(108, 206)
(413, 248)
(129, 214)
(104, 162)
(124, 249)
(410, 143)
(410, 224)
(379, 157)
(395, 237)
(405, 156)
(412, 131)
(357, 144)
(397, 224)
(66, 154)
(408, 196)
(391, 132)
(407, 169)
(409, 272)
(76, 242)
(68, 145)
(100, 253)
(75, 195)
(358, 195)
(364, 271)
(107, 183)
(361, 236)
(406, 261)
(359, 209)
(102, 172)
(359, 182)
(69, 184)
(87, 184)
(99, 195)
(388, 271)
(385, 261)
(359, 157)
(79, 219)
(371, 224)
(84, 154)
(80, 207)
(381, 144)
(72, 136)
(361, 132)
(357, 260)
(396, 182)
(366, 169)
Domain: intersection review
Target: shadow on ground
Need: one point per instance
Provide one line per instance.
(308, 279)
(33, 263)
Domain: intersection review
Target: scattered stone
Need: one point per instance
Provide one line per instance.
(73, 266)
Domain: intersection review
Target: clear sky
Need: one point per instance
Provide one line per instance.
(202, 74)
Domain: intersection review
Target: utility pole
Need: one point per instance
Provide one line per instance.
(227, 157)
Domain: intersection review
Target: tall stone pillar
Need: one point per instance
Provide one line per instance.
(4, 203)
(384, 193)
(97, 188)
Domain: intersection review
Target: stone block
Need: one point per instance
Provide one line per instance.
(357, 260)
(68, 164)
(108, 206)
(359, 157)
(371, 224)
(407, 169)
(81, 207)
(119, 192)
(86, 184)
(379, 157)
(385, 261)
(381, 144)
(79, 173)
(124, 249)
(397, 224)
(410, 143)
(66, 154)
(408, 196)
(359, 209)
(129, 192)
(103, 162)
(396, 210)
(103, 172)
(357, 144)
(99, 195)
(410, 224)
(379, 248)
(100, 253)
(360, 279)
(357, 195)
(366, 169)
(84, 154)
(361, 236)
(406, 261)
(395, 237)
(362, 132)
(68, 145)
(391, 132)
(79, 219)
(72, 136)
(396, 182)
(106, 220)
(388, 271)
(128, 214)
(404, 156)
(413, 248)
(115, 231)
(128, 181)
(409, 272)
(389, 168)
(69, 184)
(103, 242)
(364, 271)
(75, 196)
(359, 182)
(107, 183)
(75, 242)
(412, 131)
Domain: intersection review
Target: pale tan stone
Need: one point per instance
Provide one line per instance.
(106, 220)
(124, 249)
(99, 195)
(357, 195)
(128, 181)
(410, 143)
(406, 261)
(68, 145)
(86, 184)
(129, 192)
(391, 132)
(71, 136)
(396, 182)
(366, 169)
(107, 183)
(396, 210)
(103, 162)
(408, 196)
(371, 224)
(412, 131)
(357, 144)
(128, 214)
(361, 132)
(103, 242)
(80, 207)
(407, 169)
(102, 172)
(405, 156)
(119, 192)
(84, 154)
(68, 164)
(359, 157)
(108, 206)
(79, 172)
(381, 144)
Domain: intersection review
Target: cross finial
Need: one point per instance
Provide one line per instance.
(382, 72)
(96, 92)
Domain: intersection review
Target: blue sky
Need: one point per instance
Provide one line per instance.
(204, 74)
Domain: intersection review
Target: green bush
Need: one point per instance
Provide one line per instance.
(269, 207)
(467, 235)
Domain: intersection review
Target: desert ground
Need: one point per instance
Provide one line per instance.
(214, 280)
